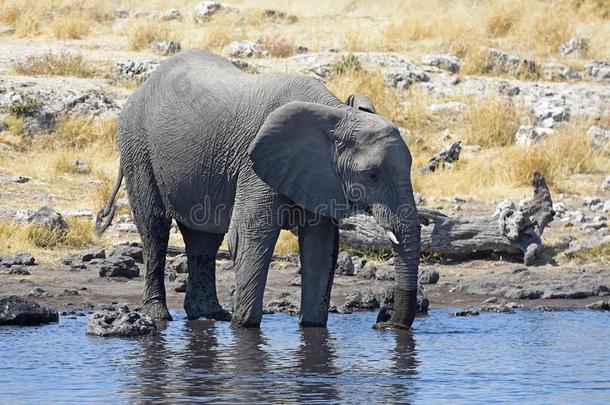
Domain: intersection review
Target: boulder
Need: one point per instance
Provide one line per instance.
(498, 308)
(361, 300)
(119, 266)
(550, 112)
(528, 135)
(130, 250)
(205, 10)
(599, 137)
(139, 70)
(345, 266)
(18, 311)
(121, 322)
(385, 273)
(443, 61)
(598, 70)
(502, 62)
(47, 217)
(165, 47)
(465, 313)
(574, 46)
(20, 259)
(367, 271)
(283, 303)
(243, 49)
(557, 72)
(600, 306)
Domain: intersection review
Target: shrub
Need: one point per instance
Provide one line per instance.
(25, 106)
(74, 26)
(347, 64)
(278, 46)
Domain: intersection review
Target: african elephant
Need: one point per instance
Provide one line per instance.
(223, 151)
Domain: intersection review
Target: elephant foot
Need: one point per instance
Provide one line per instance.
(206, 311)
(390, 326)
(157, 310)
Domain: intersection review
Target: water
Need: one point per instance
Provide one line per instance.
(529, 356)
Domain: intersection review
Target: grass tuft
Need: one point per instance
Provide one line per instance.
(286, 243)
(72, 26)
(56, 64)
(80, 234)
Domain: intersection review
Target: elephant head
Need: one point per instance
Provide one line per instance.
(329, 160)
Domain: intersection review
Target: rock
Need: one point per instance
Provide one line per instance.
(600, 306)
(450, 108)
(527, 135)
(578, 246)
(20, 259)
(171, 14)
(548, 113)
(180, 284)
(139, 70)
(367, 271)
(465, 313)
(205, 10)
(4, 147)
(443, 61)
(295, 282)
(14, 179)
(498, 308)
(49, 218)
(165, 47)
(399, 71)
(90, 254)
(599, 137)
(502, 62)
(17, 269)
(385, 273)
(38, 293)
(557, 72)
(135, 252)
(121, 13)
(361, 300)
(7, 29)
(243, 49)
(119, 266)
(179, 264)
(521, 293)
(359, 263)
(386, 302)
(429, 276)
(598, 70)
(345, 266)
(81, 167)
(18, 311)
(121, 322)
(574, 46)
(284, 303)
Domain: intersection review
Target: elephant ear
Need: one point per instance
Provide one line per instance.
(294, 152)
(361, 102)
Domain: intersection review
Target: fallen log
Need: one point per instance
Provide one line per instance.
(443, 159)
(510, 230)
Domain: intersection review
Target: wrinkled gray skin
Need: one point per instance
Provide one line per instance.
(222, 151)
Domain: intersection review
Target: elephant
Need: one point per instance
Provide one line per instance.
(225, 152)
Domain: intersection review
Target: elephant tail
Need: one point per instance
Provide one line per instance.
(104, 217)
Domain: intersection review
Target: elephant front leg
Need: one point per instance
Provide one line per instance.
(254, 251)
(319, 246)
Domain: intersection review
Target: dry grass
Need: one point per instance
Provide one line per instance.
(73, 26)
(278, 46)
(56, 64)
(80, 132)
(141, 33)
(17, 238)
(491, 121)
(286, 243)
(599, 253)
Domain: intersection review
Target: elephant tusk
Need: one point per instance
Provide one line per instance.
(392, 237)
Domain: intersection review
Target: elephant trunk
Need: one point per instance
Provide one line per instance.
(402, 226)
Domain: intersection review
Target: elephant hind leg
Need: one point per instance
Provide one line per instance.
(201, 300)
(153, 225)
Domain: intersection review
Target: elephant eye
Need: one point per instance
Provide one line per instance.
(373, 176)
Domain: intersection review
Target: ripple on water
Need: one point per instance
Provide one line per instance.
(525, 356)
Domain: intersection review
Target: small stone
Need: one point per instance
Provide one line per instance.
(284, 303)
(165, 47)
(121, 322)
(18, 311)
(465, 313)
(296, 282)
(171, 14)
(38, 293)
(18, 269)
(367, 272)
(385, 273)
(205, 10)
(527, 135)
(599, 137)
(135, 252)
(429, 276)
(345, 266)
(574, 46)
(598, 70)
(90, 254)
(180, 284)
(443, 61)
(243, 49)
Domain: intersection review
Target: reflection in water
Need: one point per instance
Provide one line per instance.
(204, 361)
(315, 358)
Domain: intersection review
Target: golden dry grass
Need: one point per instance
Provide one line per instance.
(141, 33)
(278, 46)
(286, 243)
(599, 253)
(17, 238)
(72, 26)
(56, 64)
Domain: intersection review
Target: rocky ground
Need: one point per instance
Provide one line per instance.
(555, 95)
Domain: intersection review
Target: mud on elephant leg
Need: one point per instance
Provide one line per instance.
(319, 247)
(201, 300)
